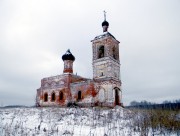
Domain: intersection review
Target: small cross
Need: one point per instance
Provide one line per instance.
(104, 15)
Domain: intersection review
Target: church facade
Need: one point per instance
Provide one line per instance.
(71, 89)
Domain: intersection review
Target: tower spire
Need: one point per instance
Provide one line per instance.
(105, 24)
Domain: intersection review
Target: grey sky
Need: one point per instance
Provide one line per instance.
(35, 34)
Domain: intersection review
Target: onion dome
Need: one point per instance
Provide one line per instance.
(68, 56)
(105, 23)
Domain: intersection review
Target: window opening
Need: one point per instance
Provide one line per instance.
(114, 53)
(53, 97)
(102, 74)
(61, 96)
(101, 52)
(45, 97)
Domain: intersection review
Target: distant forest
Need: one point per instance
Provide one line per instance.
(166, 105)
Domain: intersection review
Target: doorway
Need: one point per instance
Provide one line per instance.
(79, 96)
(116, 96)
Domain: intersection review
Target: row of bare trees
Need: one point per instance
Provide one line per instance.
(157, 121)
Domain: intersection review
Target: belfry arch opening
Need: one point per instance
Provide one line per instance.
(45, 97)
(61, 96)
(117, 100)
(53, 97)
(114, 52)
(101, 52)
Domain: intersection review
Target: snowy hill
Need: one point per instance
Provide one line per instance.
(56, 121)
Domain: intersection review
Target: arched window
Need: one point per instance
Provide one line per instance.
(61, 96)
(101, 52)
(53, 97)
(102, 74)
(114, 52)
(79, 95)
(45, 97)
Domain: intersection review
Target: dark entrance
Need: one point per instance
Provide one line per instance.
(116, 96)
(79, 95)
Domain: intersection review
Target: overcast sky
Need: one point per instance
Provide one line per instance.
(34, 34)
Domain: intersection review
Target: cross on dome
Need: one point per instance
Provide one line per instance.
(104, 15)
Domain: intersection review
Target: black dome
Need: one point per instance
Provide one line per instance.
(105, 23)
(68, 56)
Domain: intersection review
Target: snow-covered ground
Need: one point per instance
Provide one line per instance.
(54, 121)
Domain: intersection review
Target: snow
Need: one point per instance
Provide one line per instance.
(67, 121)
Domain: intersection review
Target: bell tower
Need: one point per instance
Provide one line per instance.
(106, 66)
(106, 62)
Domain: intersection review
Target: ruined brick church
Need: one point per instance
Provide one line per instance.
(103, 90)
